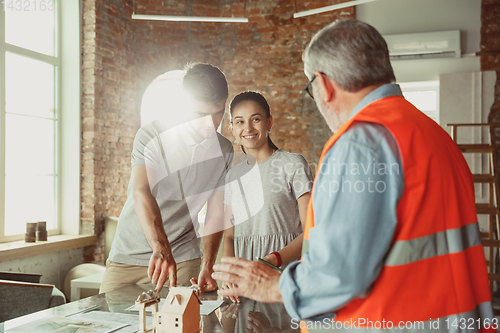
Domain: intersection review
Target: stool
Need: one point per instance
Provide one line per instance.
(81, 271)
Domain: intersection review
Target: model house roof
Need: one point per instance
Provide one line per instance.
(177, 300)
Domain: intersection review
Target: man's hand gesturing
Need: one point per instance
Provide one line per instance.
(161, 266)
(250, 279)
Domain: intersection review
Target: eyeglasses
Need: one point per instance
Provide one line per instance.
(308, 87)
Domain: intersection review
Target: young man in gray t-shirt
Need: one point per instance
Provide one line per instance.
(177, 167)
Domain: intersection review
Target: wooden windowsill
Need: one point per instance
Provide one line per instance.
(20, 249)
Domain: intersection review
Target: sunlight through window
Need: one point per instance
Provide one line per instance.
(163, 98)
(29, 120)
(424, 95)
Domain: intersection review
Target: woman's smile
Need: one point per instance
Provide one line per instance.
(250, 136)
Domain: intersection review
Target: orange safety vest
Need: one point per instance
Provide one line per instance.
(435, 266)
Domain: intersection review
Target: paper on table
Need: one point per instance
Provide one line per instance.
(131, 319)
(206, 307)
(62, 324)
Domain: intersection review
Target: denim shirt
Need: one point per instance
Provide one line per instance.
(355, 197)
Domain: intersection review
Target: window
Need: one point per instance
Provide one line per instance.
(424, 95)
(31, 79)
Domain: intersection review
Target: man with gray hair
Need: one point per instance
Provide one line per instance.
(391, 234)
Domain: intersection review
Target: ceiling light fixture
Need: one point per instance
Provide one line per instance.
(174, 18)
(330, 8)
(189, 18)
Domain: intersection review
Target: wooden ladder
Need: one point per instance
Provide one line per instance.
(491, 237)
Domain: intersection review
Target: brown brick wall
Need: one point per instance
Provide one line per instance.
(122, 56)
(490, 55)
(109, 116)
(490, 48)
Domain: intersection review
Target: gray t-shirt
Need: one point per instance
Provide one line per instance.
(182, 175)
(263, 198)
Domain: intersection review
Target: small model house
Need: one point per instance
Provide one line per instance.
(180, 313)
(145, 300)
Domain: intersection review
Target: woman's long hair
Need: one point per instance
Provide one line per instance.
(257, 98)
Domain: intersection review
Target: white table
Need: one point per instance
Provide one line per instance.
(87, 282)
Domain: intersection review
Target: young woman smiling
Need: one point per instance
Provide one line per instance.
(266, 195)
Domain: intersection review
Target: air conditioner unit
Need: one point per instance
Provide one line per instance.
(440, 44)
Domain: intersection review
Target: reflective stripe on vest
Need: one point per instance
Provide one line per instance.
(441, 243)
(477, 320)
(435, 265)
(444, 242)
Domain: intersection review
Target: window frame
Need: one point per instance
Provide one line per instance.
(66, 62)
(424, 86)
